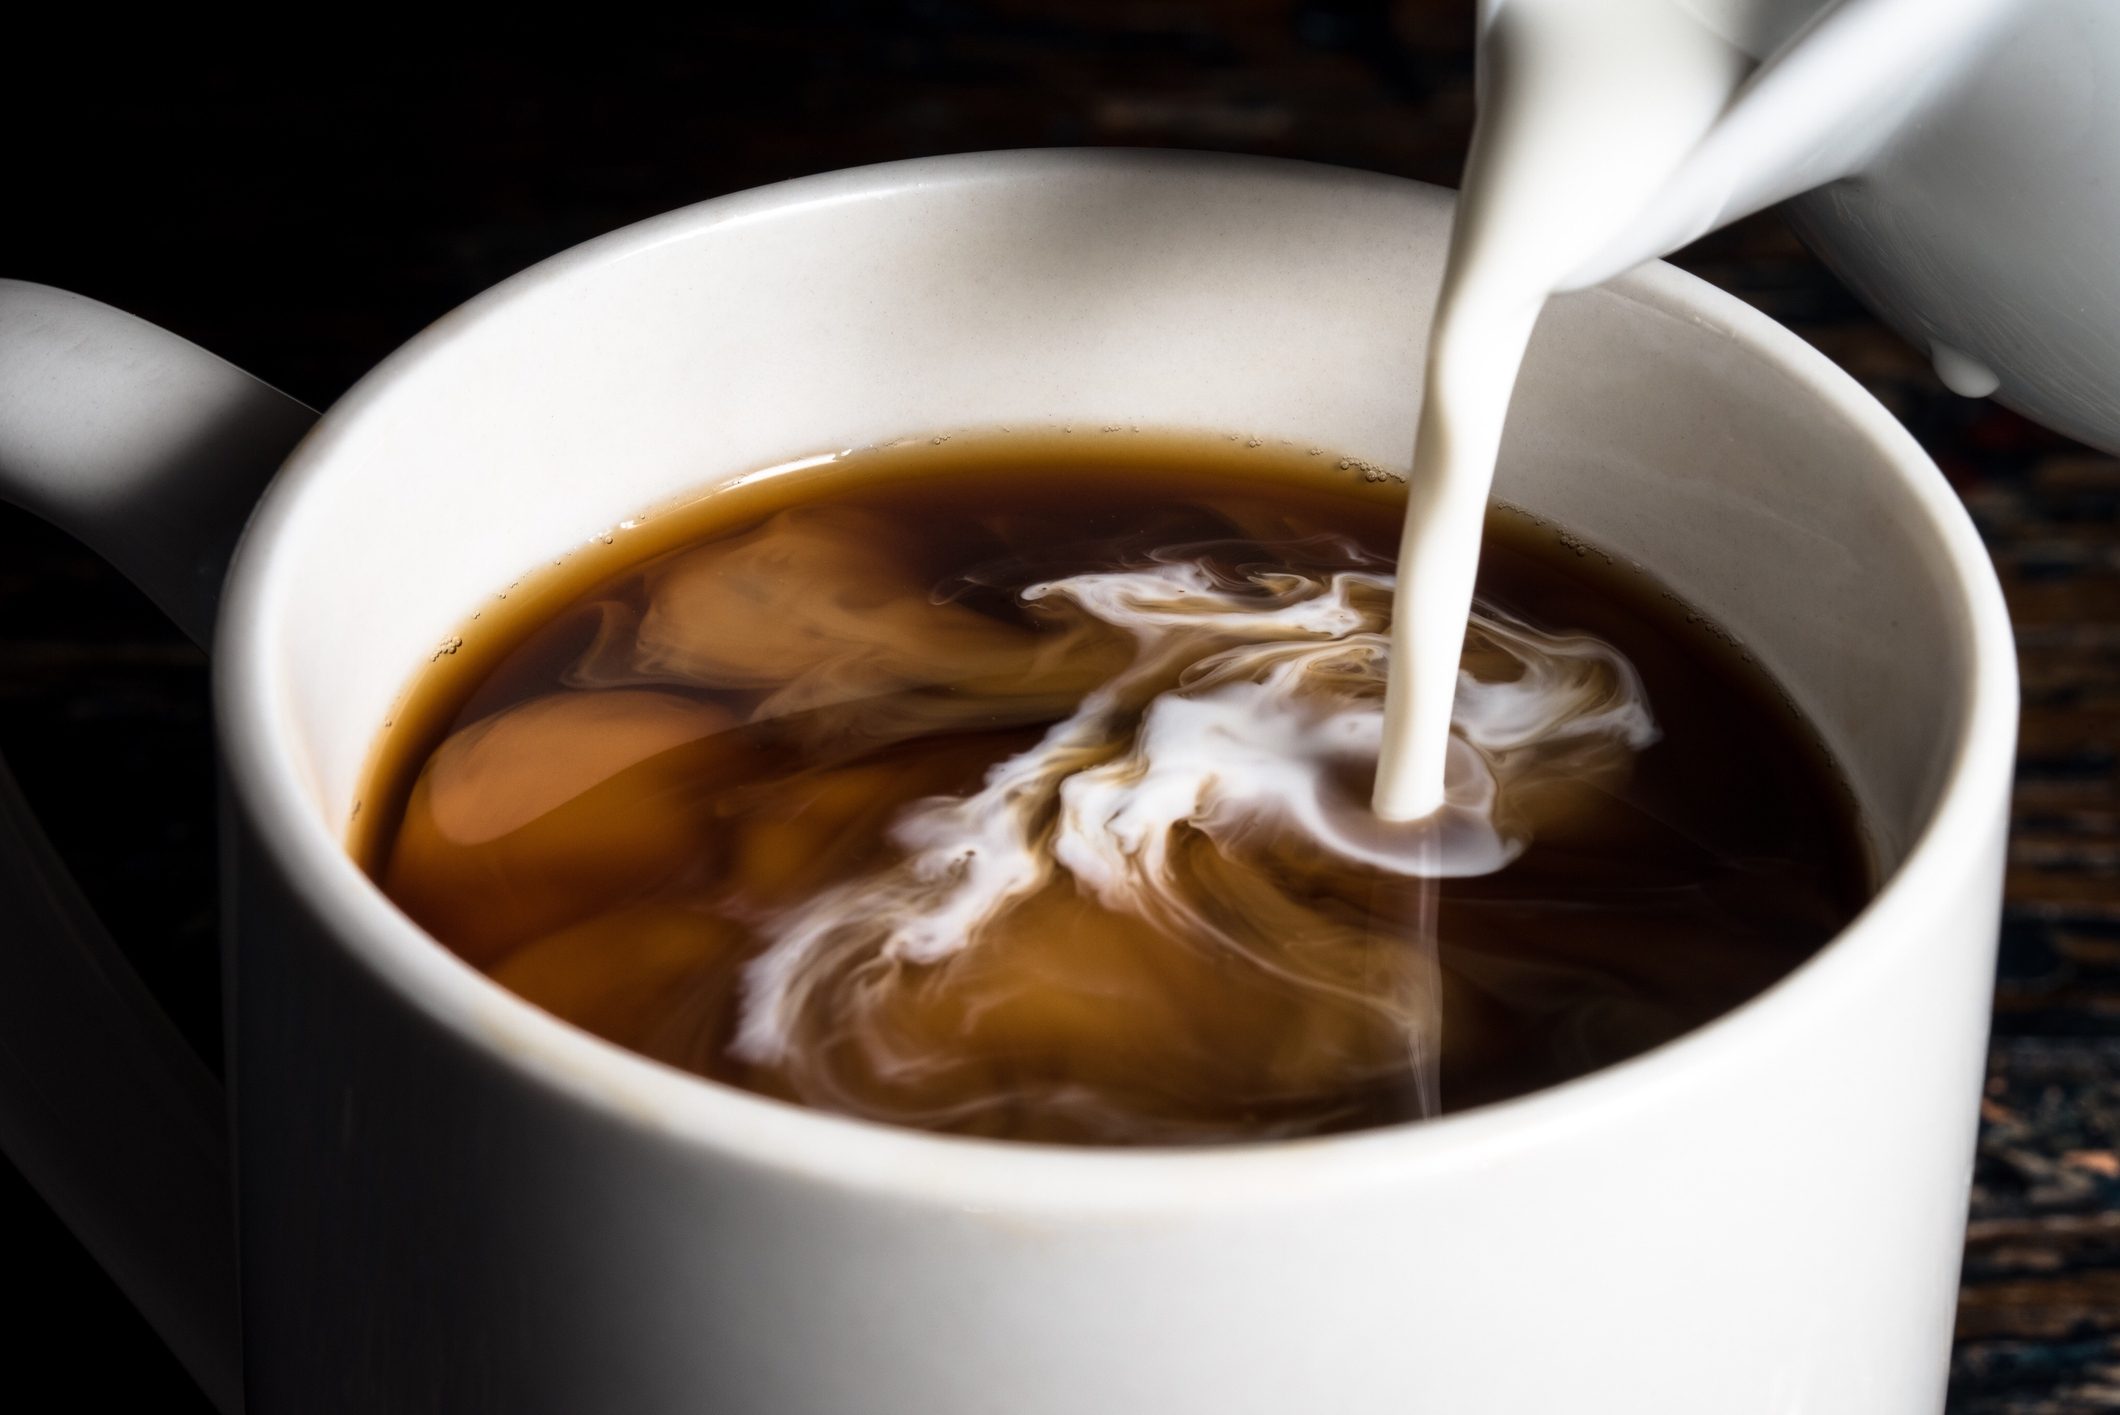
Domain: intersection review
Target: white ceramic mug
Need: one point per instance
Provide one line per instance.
(453, 1202)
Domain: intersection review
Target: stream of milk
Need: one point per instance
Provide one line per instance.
(1586, 108)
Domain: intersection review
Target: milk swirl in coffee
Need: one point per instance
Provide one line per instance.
(1019, 787)
(1248, 699)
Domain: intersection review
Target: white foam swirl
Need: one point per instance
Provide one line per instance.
(1250, 715)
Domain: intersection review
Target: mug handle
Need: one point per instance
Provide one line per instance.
(152, 452)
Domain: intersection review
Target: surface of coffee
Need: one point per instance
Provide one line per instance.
(1018, 786)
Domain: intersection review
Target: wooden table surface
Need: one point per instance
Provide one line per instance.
(305, 207)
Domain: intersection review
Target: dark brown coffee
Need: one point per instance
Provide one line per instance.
(1016, 786)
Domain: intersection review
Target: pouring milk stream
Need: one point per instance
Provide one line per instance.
(1610, 132)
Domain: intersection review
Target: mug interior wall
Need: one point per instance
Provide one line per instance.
(1282, 301)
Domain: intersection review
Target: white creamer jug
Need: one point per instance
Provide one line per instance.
(1954, 161)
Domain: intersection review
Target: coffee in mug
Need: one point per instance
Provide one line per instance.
(1017, 786)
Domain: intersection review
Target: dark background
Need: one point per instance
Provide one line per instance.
(302, 201)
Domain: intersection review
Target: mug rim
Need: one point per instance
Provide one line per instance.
(261, 762)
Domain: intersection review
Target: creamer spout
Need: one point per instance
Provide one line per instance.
(1824, 88)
